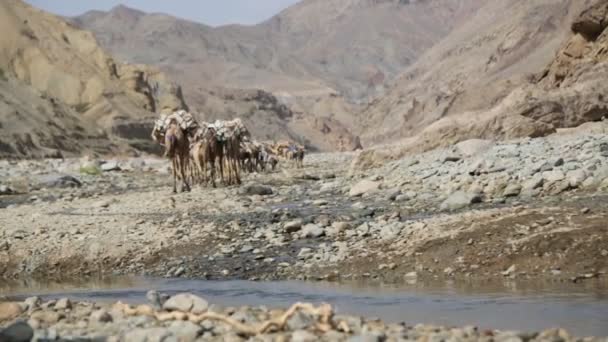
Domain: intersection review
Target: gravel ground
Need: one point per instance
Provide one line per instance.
(528, 208)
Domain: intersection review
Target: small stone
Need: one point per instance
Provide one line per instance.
(509, 271)
(63, 304)
(411, 275)
(49, 317)
(459, 200)
(155, 298)
(585, 211)
(512, 190)
(303, 336)
(312, 231)
(473, 147)
(364, 187)
(604, 253)
(102, 204)
(186, 302)
(32, 303)
(246, 249)
(179, 271)
(553, 176)
(320, 202)
(341, 226)
(260, 190)
(185, 330)
(6, 190)
(293, 226)
(100, 316)
(451, 158)
(110, 166)
(300, 320)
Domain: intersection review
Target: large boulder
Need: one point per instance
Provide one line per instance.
(17, 332)
(592, 21)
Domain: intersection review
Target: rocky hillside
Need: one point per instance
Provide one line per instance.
(61, 93)
(449, 96)
(321, 58)
(350, 46)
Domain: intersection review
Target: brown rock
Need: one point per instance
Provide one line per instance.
(9, 311)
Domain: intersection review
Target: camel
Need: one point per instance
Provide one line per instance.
(232, 149)
(177, 148)
(231, 134)
(206, 151)
(249, 156)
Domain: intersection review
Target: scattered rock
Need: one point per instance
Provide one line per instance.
(186, 302)
(510, 271)
(364, 187)
(32, 303)
(312, 231)
(60, 181)
(553, 176)
(6, 190)
(260, 190)
(110, 166)
(303, 336)
(9, 311)
(473, 147)
(293, 226)
(300, 321)
(63, 304)
(512, 190)
(411, 275)
(459, 200)
(100, 316)
(17, 332)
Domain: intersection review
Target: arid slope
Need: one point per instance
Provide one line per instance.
(61, 93)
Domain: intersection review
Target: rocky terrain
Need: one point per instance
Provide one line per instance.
(60, 93)
(186, 317)
(314, 57)
(312, 47)
(529, 208)
(538, 67)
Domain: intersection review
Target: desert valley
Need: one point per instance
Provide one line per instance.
(391, 145)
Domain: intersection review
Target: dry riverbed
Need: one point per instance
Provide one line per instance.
(524, 209)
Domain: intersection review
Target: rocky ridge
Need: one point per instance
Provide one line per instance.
(510, 95)
(81, 98)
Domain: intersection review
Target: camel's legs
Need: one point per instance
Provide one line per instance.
(183, 168)
(174, 171)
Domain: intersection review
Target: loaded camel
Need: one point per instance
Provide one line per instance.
(177, 149)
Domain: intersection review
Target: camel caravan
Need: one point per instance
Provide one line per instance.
(203, 153)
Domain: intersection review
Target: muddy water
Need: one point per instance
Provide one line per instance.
(580, 308)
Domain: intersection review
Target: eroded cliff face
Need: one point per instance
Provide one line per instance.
(47, 61)
(569, 91)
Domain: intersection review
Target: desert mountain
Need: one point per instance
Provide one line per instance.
(486, 79)
(313, 47)
(60, 92)
(321, 58)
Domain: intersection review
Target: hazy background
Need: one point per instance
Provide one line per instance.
(210, 12)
